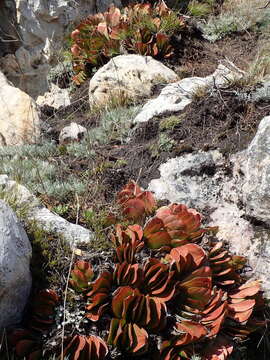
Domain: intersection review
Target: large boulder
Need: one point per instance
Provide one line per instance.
(19, 120)
(255, 165)
(233, 193)
(15, 276)
(128, 77)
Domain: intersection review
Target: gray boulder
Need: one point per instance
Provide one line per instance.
(15, 276)
(255, 165)
(237, 201)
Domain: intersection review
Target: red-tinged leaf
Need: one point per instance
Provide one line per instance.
(75, 34)
(192, 328)
(162, 40)
(95, 312)
(137, 229)
(248, 289)
(141, 337)
(103, 283)
(113, 16)
(152, 226)
(103, 29)
(75, 50)
(219, 349)
(215, 249)
(242, 305)
(134, 209)
(219, 255)
(118, 300)
(113, 330)
(100, 347)
(220, 273)
(158, 241)
(80, 347)
(149, 201)
(241, 317)
(192, 254)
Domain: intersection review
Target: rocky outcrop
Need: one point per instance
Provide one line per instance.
(41, 216)
(128, 77)
(255, 166)
(42, 26)
(234, 193)
(175, 97)
(15, 276)
(19, 120)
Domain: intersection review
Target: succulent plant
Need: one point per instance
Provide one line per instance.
(28, 342)
(167, 292)
(139, 28)
(173, 226)
(81, 276)
(224, 265)
(99, 296)
(135, 202)
(128, 242)
(85, 347)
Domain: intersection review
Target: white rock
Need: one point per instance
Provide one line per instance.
(56, 97)
(128, 77)
(15, 276)
(73, 132)
(201, 180)
(19, 120)
(175, 97)
(256, 169)
(192, 179)
(42, 217)
(245, 240)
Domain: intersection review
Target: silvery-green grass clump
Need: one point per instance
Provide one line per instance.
(39, 168)
(114, 124)
(45, 168)
(236, 16)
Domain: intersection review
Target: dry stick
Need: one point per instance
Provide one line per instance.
(66, 288)
(265, 6)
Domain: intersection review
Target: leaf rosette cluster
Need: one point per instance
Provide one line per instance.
(139, 28)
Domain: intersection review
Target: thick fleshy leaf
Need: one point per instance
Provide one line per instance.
(120, 295)
(248, 289)
(128, 337)
(242, 310)
(158, 280)
(219, 349)
(127, 274)
(187, 257)
(85, 347)
(81, 276)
